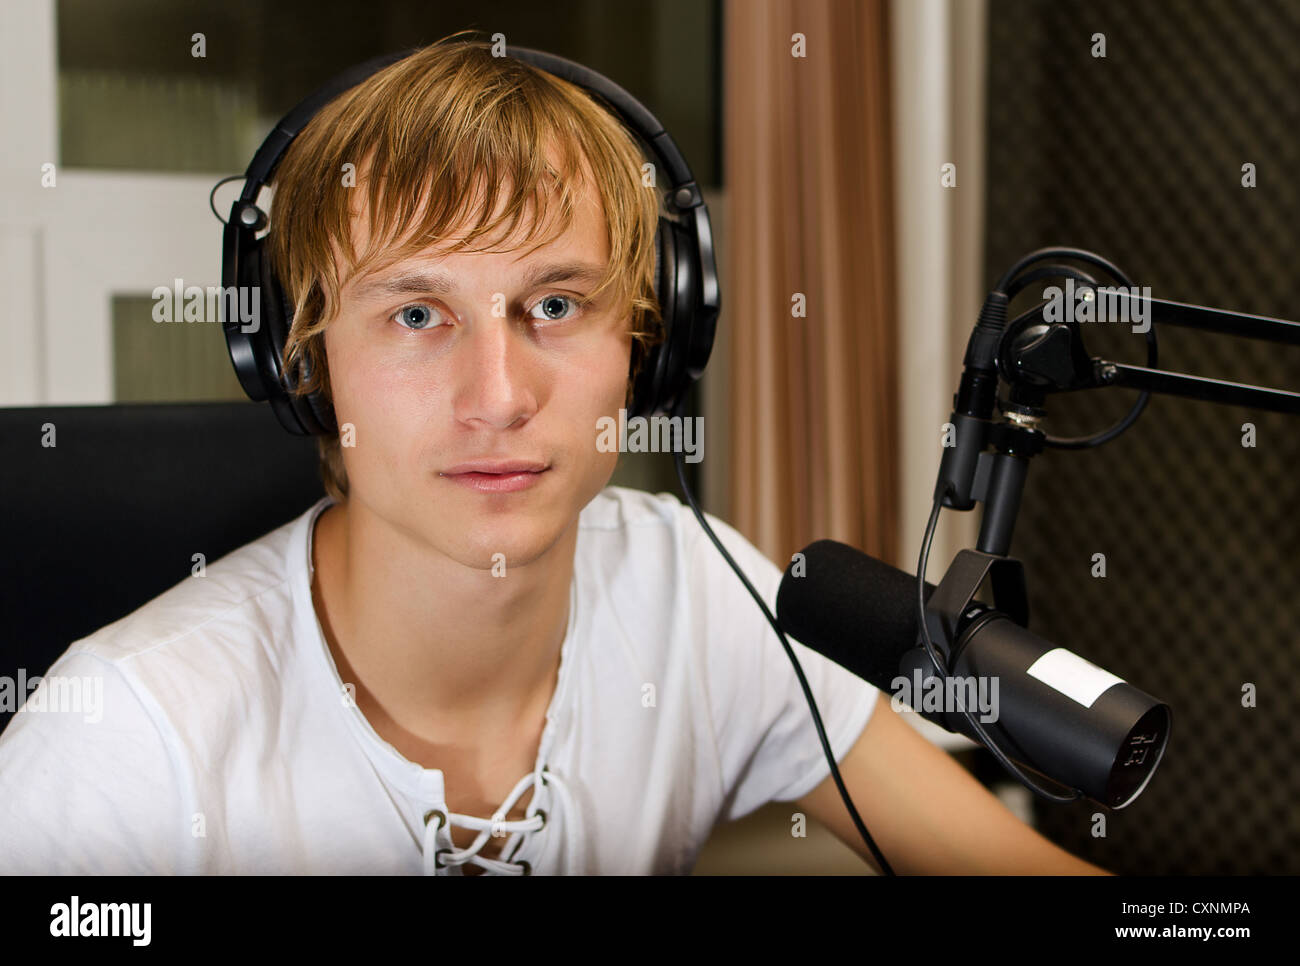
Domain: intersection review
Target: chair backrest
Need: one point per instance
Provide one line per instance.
(112, 513)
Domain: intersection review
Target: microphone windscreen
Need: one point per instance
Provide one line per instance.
(850, 607)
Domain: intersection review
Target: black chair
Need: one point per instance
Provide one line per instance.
(112, 514)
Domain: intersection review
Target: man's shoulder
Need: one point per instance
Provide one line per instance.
(243, 596)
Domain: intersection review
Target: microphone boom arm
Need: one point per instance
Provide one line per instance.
(1038, 354)
(986, 460)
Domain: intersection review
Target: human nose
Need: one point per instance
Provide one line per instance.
(495, 374)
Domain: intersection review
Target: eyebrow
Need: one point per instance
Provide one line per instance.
(439, 283)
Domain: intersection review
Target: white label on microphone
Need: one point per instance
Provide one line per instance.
(1073, 676)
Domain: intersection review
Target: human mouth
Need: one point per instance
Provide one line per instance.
(507, 476)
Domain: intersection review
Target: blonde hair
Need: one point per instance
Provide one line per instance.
(447, 125)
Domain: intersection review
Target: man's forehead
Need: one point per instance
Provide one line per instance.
(586, 230)
(413, 276)
(580, 188)
(527, 249)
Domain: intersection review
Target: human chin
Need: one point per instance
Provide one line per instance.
(503, 542)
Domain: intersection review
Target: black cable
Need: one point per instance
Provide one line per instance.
(1106, 435)
(942, 668)
(1055, 270)
(1041, 254)
(803, 682)
(213, 193)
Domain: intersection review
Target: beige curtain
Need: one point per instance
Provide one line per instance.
(813, 401)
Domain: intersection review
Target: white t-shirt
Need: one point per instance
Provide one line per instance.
(225, 741)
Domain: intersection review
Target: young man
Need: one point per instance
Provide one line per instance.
(474, 654)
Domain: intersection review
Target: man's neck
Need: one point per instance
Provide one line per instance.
(446, 653)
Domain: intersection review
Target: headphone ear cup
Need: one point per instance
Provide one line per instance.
(680, 298)
(306, 415)
(321, 410)
(648, 391)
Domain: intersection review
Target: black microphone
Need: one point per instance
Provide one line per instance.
(1051, 710)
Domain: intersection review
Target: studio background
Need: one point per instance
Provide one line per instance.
(823, 174)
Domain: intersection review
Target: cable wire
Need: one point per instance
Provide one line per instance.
(942, 668)
(213, 194)
(678, 457)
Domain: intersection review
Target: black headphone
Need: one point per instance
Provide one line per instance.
(686, 281)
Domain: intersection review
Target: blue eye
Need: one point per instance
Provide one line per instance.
(414, 316)
(552, 305)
